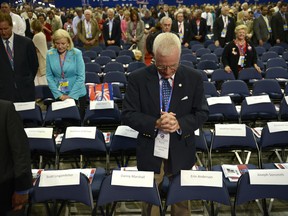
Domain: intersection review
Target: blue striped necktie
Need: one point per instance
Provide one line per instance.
(166, 91)
(10, 54)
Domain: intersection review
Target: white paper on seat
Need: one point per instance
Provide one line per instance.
(63, 104)
(98, 105)
(24, 106)
(201, 178)
(230, 130)
(219, 100)
(197, 132)
(80, 132)
(268, 176)
(126, 131)
(134, 168)
(275, 127)
(51, 178)
(42, 132)
(257, 99)
(286, 99)
(132, 178)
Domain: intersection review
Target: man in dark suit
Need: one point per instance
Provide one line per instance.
(198, 27)
(29, 20)
(262, 28)
(111, 29)
(279, 24)
(183, 29)
(15, 166)
(223, 28)
(165, 103)
(19, 64)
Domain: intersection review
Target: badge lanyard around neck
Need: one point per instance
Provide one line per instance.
(62, 65)
(161, 96)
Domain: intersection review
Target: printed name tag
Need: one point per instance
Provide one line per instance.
(98, 105)
(230, 130)
(126, 131)
(268, 177)
(44, 133)
(24, 106)
(59, 178)
(201, 178)
(80, 132)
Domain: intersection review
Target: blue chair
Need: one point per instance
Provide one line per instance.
(236, 89)
(126, 53)
(257, 112)
(114, 66)
(115, 77)
(91, 77)
(207, 65)
(268, 86)
(285, 56)
(218, 52)
(185, 51)
(90, 54)
(97, 49)
(124, 59)
(267, 46)
(201, 52)
(189, 57)
(212, 47)
(210, 89)
(278, 49)
(210, 57)
(82, 148)
(277, 72)
(196, 47)
(30, 117)
(260, 50)
(113, 194)
(204, 75)
(268, 55)
(114, 48)
(103, 60)
(194, 42)
(109, 53)
(134, 66)
(187, 63)
(220, 75)
(207, 43)
(65, 194)
(86, 59)
(44, 94)
(276, 62)
(247, 192)
(249, 75)
(93, 67)
(177, 193)
(283, 112)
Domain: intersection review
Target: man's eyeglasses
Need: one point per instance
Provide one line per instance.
(165, 67)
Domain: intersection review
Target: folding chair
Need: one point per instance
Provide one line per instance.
(189, 57)
(127, 53)
(97, 49)
(113, 194)
(208, 42)
(42, 149)
(210, 57)
(64, 194)
(268, 55)
(247, 192)
(207, 65)
(201, 52)
(249, 75)
(103, 60)
(177, 193)
(185, 51)
(44, 94)
(91, 77)
(210, 89)
(236, 89)
(218, 52)
(212, 47)
(267, 46)
(124, 60)
(31, 117)
(90, 54)
(114, 66)
(277, 73)
(195, 47)
(219, 76)
(276, 62)
(201, 148)
(268, 86)
(109, 53)
(116, 77)
(260, 50)
(187, 63)
(134, 66)
(204, 75)
(82, 147)
(283, 112)
(93, 67)
(278, 49)
(114, 48)
(86, 59)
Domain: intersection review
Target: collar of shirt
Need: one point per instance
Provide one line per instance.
(170, 80)
(11, 39)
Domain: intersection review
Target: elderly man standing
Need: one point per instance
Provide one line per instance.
(88, 30)
(165, 103)
(111, 29)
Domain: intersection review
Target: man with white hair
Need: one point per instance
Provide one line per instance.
(165, 103)
(111, 29)
(207, 15)
(19, 25)
(88, 30)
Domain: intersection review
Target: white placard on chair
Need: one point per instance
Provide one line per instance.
(80, 132)
(230, 130)
(63, 104)
(257, 99)
(51, 178)
(132, 178)
(219, 100)
(43, 132)
(268, 176)
(275, 127)
(19, 106)
(126, 131)
(201, 178)
(98, 105)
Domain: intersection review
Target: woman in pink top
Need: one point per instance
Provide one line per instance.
(124, 24)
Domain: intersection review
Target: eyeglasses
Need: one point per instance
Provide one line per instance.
(165, 67)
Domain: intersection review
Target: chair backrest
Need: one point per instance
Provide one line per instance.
(127, 53)
(260, 50)
(235, 87)
(209, 56)
(97, 49)
(278, 49)
(134, 66)
(195, 47)
(218, 52)
(114, 66)
(273, 139)
(247, 192)
(276, 72)
(31, 117)
(178, 193)
(212, 47)
(207, 65)
(267, 55)
(189, 57)
(267, 46)
(210, 89)
(93, 67)
(221, 75)
(81, 193)
(103, 60)
(91, 77)
(202, 51)
(204, 74)
(124, 59)
(114, 48)
(86, 59)
(91, 54)
(276, 62)
(185, 51)
(267, 86)
(208, 42)
(249, 73)
(109, 53)
(285, 56)
(112, 193)
(187, 63)
(115, 76)
(283, 112)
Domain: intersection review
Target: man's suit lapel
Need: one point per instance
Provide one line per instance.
(3, 52)
(153, 88)
(178, 90)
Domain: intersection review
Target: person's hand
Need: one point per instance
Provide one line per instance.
(228, 69)
(278, 41)
(217, 43)
(168, 122)
(186, 45)
(257, 68)
(261, 42)
(64, 97)
(19, 200)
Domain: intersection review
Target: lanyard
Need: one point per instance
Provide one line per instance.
(241, 49)
(161, 97)
(62, 65)
(10, 55)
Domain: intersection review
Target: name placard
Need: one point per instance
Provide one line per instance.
(268, 176)
(132, 178)
(80, 132)
(63, 104)
(219, 100)
(197, 132)
(275, 127)
(24, 106)
(201, 178)
(98, 105)
(230, 130)
(257, 99)
(51, 178)
(286, 99)
(126, 131)
(42, 133)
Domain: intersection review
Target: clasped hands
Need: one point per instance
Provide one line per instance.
(167, 122)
